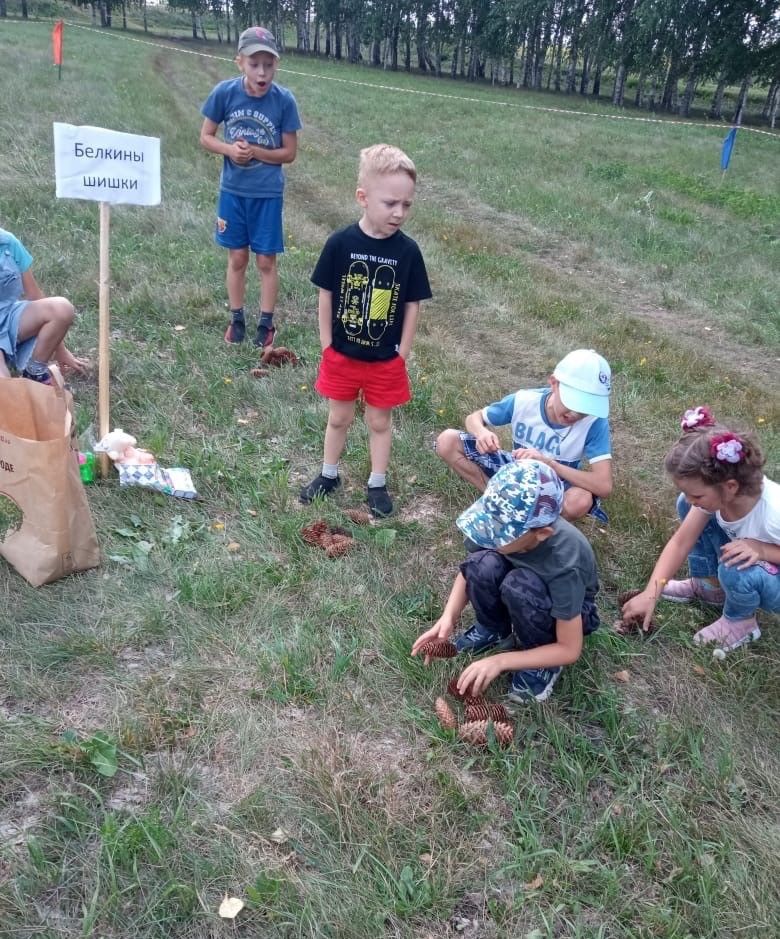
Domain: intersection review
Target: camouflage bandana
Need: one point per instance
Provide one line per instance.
(522, 495)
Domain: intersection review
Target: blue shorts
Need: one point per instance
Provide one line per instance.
(16, 354)
(255, 223)
(491, 463)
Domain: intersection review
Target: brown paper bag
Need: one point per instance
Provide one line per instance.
(46, 529)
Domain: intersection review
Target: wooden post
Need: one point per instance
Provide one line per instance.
(104, 331)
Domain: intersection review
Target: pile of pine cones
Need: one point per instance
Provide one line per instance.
(333, 540)
(479, 714)
(274, 358)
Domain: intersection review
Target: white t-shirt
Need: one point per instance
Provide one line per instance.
(762, 522)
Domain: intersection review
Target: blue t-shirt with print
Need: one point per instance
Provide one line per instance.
(260, 121)
(568, 444)
(15, 259)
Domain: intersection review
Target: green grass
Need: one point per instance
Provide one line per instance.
(274, 739)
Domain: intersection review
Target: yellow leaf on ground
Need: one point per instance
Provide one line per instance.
(698, 670)
(217, 526)
(624, 676)
(280, 836)
(534, 884)
(234, 546)
(230, 907)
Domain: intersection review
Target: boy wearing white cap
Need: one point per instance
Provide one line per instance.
(559, 425)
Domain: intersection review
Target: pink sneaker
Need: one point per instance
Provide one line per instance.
(729, 634)
(683, 591)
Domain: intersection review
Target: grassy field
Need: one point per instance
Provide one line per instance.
(274, 740)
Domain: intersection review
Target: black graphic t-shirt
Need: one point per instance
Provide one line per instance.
(371, 279)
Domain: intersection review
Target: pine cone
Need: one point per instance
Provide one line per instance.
(628, 627)
(486, 710)
(337, 548)
(438, 649)
(259, 372)
(338, 538)
(358, 516)
(476, 733)
(279, 356)
(312, 534)
(445, 714)
(452, 689)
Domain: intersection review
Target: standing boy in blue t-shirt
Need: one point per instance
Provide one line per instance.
(260, 129)
(558, 425)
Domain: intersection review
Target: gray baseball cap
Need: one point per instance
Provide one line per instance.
(257, 39)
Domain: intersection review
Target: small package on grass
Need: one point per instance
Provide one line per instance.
(140, 468)
(46, 529)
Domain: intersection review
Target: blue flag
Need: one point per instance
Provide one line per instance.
(728, 146)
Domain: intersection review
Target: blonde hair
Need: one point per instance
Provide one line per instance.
(382, 159)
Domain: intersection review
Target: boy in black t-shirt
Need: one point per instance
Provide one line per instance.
(371, 279)
(531, 579)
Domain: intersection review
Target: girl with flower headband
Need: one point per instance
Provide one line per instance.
(729, 531)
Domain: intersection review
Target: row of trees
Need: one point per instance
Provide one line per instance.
(654, 54)
(663, 50)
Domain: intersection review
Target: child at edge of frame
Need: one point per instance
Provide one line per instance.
(371, 279)
(729, 531)
(260, 129)
(530, 577)
(558, 425)
(32, 326)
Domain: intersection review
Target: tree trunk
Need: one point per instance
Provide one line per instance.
(376, 52)
(194, 19)
(774, 106)
(556, 72)
(124, 14)
(528, 64)
(669, 96)
(146, 22)
(585, 77)
(542, 56)
(94, 13)
(301, 31)
(716, 108)
(639, 95)
(741, 107)
(620, 85)
(3, 9)
(394, 48)
(24, 9)
(571, 72)
(597, 81)
(770, 105)
(690, 90)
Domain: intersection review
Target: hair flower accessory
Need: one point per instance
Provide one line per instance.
(697, 417)
(727, 448)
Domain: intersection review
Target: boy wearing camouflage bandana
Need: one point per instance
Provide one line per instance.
(531, 579)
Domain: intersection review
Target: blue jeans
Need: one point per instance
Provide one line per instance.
(748, 590)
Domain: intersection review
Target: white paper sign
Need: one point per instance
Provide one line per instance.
(106, 165)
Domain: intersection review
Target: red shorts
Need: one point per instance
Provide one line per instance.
(384, 384)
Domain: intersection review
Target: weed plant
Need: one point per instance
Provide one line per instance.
(273, 739)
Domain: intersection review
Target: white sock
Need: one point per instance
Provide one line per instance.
(331, 470)
(377, 479)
